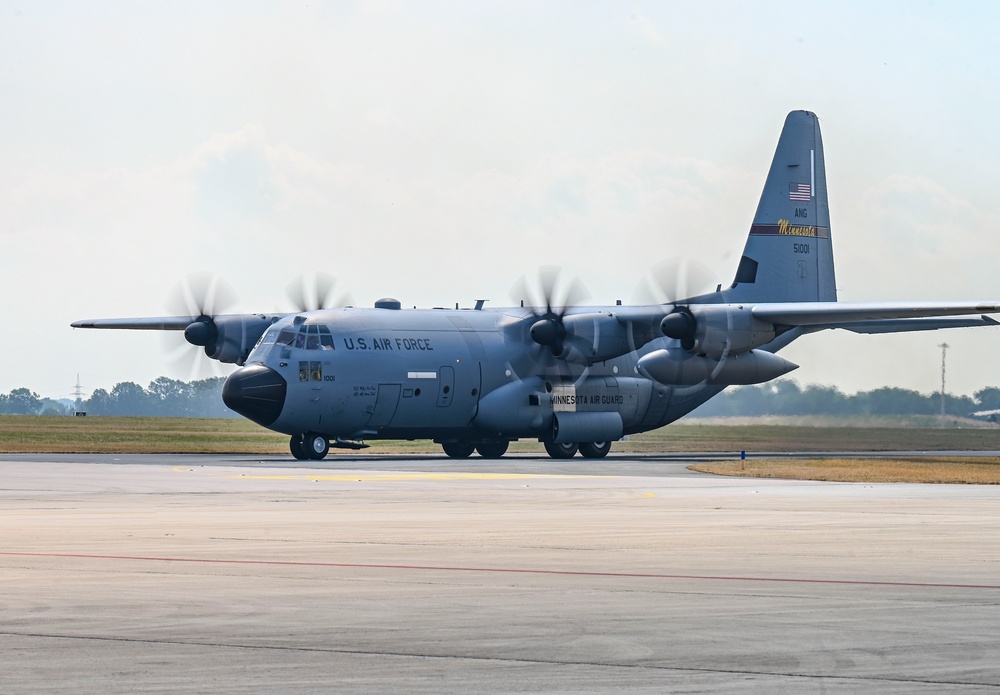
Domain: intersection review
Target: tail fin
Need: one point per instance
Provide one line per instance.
(788, 256)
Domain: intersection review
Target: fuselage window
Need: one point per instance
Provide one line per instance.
(286, 337)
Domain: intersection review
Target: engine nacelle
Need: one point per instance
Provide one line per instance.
(228, 338)
(726, 329)
(678, 367)
(592, 338)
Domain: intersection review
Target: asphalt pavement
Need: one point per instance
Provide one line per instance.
(124, 574)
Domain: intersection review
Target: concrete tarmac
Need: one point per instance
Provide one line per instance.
(426, 575)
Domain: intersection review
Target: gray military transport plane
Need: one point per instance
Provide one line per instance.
(576, 378)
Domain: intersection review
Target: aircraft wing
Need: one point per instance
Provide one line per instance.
(160, 323)
(168, 323)
(225, 337)
(907, 325)
(839, 314)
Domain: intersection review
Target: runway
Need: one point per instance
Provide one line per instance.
(124, 574)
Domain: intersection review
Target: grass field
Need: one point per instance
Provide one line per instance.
(23, 434)
(126, 435)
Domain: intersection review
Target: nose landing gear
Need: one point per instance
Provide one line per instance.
(309, 446)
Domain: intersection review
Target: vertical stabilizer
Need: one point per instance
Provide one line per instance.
(788, 256)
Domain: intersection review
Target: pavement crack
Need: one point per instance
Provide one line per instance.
(502, 659)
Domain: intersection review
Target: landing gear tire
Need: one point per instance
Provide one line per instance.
(492, 450)
(315, 446)
(458, 450)
(594, 450)
(295, 446)
(561, 451)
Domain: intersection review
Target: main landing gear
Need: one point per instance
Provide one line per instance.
(589, 450)
(463, 450)
(309, 446)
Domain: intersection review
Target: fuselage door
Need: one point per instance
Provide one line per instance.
(446, 386)
(385, 405)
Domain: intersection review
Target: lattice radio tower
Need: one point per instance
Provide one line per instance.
(78, 395)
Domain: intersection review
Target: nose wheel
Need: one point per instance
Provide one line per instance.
(309, 446)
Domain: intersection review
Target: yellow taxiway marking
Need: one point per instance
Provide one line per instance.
(403, 477)
(398, 477)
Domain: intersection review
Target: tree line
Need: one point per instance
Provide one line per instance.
(164, 397)
(203, 398)
(786, 397)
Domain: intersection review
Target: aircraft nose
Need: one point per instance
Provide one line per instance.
(255, 392)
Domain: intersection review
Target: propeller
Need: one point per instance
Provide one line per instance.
(546, 326)
(202, 296)
(320, 295)
(674, 280)
(685, 288)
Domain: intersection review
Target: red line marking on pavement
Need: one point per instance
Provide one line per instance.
(507, 570)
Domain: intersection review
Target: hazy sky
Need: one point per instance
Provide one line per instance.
(437, 151)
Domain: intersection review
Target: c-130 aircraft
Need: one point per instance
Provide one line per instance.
(576, 378)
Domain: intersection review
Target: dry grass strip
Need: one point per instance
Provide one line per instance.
(975, 471)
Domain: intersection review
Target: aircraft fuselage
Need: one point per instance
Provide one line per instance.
(441, 374)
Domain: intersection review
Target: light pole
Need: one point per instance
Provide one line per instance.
(944, 351)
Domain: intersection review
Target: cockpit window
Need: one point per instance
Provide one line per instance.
(325, 339)
(308, 337)
(267, 338)
(312, 338)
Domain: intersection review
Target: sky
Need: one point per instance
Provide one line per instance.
(437, 152)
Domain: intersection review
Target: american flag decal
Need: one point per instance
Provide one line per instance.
(799, 191)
